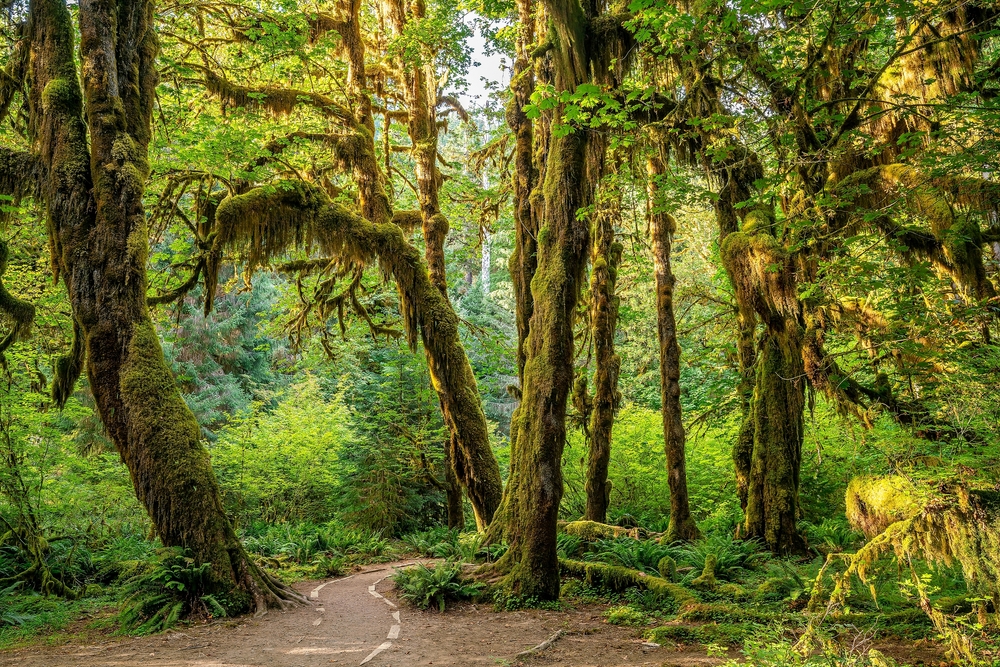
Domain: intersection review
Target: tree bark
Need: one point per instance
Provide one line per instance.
(475, 464)
(763, 275)
(573, 166)
(93, 197)
(604, 320)
(453, 492)
(662, 227)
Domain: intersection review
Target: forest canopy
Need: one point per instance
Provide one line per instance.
(695, 298)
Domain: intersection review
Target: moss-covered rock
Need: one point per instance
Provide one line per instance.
(667, 567)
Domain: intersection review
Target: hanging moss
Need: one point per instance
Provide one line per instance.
(266, 222)
(280, 101)
(943, 524)
(18, 314)
(875, 503)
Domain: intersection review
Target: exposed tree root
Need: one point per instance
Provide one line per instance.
(541, 647)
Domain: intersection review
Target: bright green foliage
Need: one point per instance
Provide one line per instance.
(172, 588)
(283, 463)
(424, 586)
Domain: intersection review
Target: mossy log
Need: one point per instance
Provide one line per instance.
(619, 579)
(591, 531)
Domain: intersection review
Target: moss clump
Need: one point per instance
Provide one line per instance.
(591, 531)
(620, 578)
(667, 567)
(773, 588)
(875, 503)
(625, 615)
(732, 591)
(60, 96)
(706, 581)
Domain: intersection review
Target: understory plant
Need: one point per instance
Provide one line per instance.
(424, 586)
(173, 588)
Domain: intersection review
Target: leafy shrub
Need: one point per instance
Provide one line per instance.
(175, 587)
(642, 555)
(625, 615)
(733, 556)
(423, 586)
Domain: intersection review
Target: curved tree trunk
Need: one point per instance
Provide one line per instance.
(475, 464)
(662, 227)
(604, 320)
(93, 197)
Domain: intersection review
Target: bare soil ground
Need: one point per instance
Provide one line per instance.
(357, 620)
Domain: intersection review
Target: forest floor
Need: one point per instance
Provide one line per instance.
(357, 620)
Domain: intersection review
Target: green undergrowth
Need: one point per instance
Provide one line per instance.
(431, 586)
(130, 585)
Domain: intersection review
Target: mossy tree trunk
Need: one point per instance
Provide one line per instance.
(524, 259)
(573, 166)
(763, 274)
(420, 93)
(93, 196)
(426, 311)
(661, 229)
(604, 320)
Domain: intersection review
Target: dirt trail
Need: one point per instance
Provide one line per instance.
(355, 620)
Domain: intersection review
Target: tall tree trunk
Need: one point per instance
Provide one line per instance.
(475, 464)
(772, 510)
(662, 227)
(574, 165)
(421, 95)
(94, 206)
(604, 320)
(524, 259)
(763, 275)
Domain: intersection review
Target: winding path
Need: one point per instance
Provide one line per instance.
(353, 621)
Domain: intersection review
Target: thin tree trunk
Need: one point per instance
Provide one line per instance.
(94, 204)
(662, 227)
(604, 320)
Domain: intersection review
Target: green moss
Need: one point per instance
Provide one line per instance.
(707, 581)
(619, 579)
(773, 588)
(625, 615)
(667, 567)
(592, 531)
(874, 503)
(729, 634)
(61, 95)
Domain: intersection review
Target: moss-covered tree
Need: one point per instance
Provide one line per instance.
(662, 227)
(606, 257)
(89, 131)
